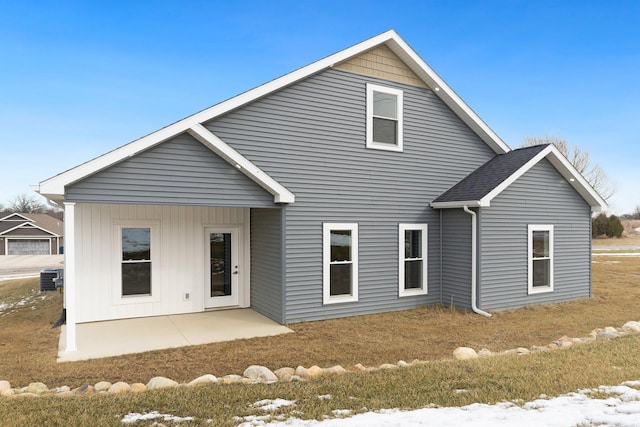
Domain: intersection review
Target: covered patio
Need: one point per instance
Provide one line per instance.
(126, 336)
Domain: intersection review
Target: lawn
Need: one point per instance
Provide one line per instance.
(28, 345)
(28, 351)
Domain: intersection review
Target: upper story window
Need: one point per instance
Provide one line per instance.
(384, 118)
(540, 252)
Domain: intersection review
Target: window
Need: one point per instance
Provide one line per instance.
(412, 257)
(340, 262)
(384, 118)
(136, 261)
(540, 253)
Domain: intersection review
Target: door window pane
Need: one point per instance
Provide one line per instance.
(220, 262)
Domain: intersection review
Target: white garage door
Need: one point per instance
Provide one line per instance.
(28, 247)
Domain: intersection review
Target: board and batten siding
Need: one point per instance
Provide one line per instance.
(456, 258)
(180, 171)
(267, 288)
(311, 137)
(181, 257)
(540, 196)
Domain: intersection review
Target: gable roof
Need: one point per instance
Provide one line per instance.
(44, 222)
(53, 188)
(481, 186)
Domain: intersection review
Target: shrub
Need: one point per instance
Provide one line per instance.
(599, 225)
(614, 227)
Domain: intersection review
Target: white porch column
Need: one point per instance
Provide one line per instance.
(70, 275)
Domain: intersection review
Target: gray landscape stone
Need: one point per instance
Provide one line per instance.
(260, 373)
(465, 353)
(160, 382)
(204, 379)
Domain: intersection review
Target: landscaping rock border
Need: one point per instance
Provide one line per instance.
(256, 374)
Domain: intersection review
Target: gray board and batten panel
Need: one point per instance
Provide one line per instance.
(180, 171)
(540, 196)
(310, 137)
(267, 291)
(456, 258)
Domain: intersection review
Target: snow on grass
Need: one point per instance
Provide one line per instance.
(5, 307)
(621, 408)
(135, 417)
(273, 405)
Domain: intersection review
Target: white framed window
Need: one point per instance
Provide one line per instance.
(136, 260)
(412, 259)
(384, 118)
(340, 262)
(540, 256)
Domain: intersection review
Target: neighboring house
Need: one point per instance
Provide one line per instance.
(358, 184)
(30, 234)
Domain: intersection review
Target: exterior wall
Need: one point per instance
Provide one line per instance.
(382, 63)
(456, 258)
(181, 259)
(180, 171)
(34, 232)
(540, 196)
(267, 263)
(311, 137)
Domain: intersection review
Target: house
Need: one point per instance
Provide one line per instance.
(358, 184)
(30, 234)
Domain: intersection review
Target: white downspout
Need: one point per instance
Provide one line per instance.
(474, 262)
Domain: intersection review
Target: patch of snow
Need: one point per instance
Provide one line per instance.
(325, 397)
(621, 408)
(272, 405)
(341, 412)
(134, 417)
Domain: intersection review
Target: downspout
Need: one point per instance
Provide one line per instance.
(474, 263)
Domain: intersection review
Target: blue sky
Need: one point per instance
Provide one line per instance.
(78, 79)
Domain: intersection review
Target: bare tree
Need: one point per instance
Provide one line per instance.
(581, 160)
(26, 204)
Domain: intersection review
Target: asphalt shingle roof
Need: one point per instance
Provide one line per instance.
(487, 177)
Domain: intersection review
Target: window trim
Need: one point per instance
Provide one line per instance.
(380, 145)
(326, 262)
(539, 289)
(402, 292)
(154, 230)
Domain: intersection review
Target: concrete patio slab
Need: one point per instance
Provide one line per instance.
(119, 337)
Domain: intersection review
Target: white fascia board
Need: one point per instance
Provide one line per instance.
(517, 174)
(237, 160)
(565, 168)
(14, 214)
(448, 95)
(457, 204)
(576, 180)
(53, 188)
(31, 225)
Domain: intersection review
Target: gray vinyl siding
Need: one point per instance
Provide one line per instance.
(27, 231)
(456, 258)
(540, 196)
(311, 138)
(267, 263)
(180, 171)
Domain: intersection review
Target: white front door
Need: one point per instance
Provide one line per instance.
(221, 253)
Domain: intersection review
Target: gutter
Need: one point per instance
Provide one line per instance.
(474, 263)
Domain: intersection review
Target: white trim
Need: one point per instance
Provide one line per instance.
(17, 214)
(30, 225)
(371, 88)
(326, 263)
(402, 292)
(215, 144)
(559, 162)
(530, 229)
(70, 276)
(116, 285)
(54, 186)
